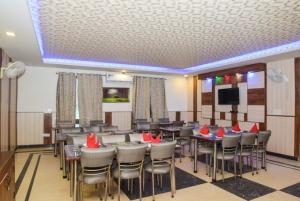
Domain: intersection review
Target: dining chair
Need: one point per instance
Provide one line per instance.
(96, 122)
(184, 139)
(95, 168)
(227, 129)
(60, 125)
(194, 124)
(246, 150)
(142, 126)
(164, 120)
(261, 147)
(108, 139)
(207, 149)
(162, 162)
(109, 128)
(130, 165)
(229, 151)
(154, 126)
(136, 137)
(178, 123)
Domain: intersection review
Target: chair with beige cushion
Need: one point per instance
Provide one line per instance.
(130, 164)
(59, 125)
(246, 149)
(261, 147)
(96, 168)
(184, 139)
(162, 162)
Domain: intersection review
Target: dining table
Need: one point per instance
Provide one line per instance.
(170, 129)
(72, 155)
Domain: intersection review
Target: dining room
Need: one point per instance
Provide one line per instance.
(149, 100)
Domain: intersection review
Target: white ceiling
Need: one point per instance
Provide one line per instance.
(162, 33)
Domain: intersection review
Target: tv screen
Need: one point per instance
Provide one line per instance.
(229, 96)
(115, 95)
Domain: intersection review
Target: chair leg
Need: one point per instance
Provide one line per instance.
(265, 160)
(140, 186)
(119, 186)
(234, 166)
(106, 188)
(131, 186)
(143, 180)
(223, 169)
(81, 192)
(241, 165)
(256, 162)
(161, 185)
(251, 162)
(99, 191)
(153, 198)
(171, 183)
(206, 164)
(180, 155)
(210, 163)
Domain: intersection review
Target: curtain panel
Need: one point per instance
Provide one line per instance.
(149, 99)
(66, 97)
(141, 98)
(158, 99)
(90, 97)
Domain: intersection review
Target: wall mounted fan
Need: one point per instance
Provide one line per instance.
(276, 75)
(13, 70)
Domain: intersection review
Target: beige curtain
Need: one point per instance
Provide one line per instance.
(66, 97)
(141, 98)
(158, 99)
(89, 98)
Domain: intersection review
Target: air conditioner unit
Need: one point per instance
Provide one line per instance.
(119, 78)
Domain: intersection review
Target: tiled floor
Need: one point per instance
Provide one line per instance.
(38, 178)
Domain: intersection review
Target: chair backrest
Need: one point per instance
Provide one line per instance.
(263, 138)
(194, 124)
(141, 126)
(154, 125)
(123, 132)
(247, 142)
(213, 129)
(140, 120)
(77, 140)
(230, 143)
(93, 158)
(70, 130)
(228, 129)
(107, 139)
(136, 137)
(109, 128)
(96, 122)
(131, 153)
(163, 150)
(164, 120)
(178, 123)
(186, 131)
(65, 124)
(94, 129)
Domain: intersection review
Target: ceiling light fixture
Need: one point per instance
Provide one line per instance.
(10, 34)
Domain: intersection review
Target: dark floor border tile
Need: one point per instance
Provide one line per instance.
(293, 190)
(32, 179)
(23, 172)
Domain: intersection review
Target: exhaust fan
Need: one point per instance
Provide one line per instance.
(13, 70)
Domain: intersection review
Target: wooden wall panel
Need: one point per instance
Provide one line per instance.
(207, 98)
(297, 109)
(47, 128)
(108, 118)
(281, 95)
(30, 128)
(178, 118)
(256, 96)
(122, 120)
(282, 139)
(195, 96)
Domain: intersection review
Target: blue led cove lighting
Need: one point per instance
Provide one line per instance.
(34, 8)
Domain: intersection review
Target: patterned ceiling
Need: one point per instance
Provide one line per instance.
(167, 33)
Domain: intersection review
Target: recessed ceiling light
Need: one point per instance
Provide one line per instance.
(10, 34)
(186, 76)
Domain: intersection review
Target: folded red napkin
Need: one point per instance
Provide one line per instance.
(91, 141)
(204, 130)
(221, 132)
(254, 129)
(236, 128)
(156, 140)
(147, 137)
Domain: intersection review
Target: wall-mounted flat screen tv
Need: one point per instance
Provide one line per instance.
(115, 95)
(229, 96)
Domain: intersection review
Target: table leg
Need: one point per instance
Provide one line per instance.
(64, 160)
(75, 194)
(173, 135)
(195, 155)
(161, 134)
(214, 176)
(71, 178)
(55, 144)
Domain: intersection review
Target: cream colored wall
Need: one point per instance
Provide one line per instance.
(281, 108)
(37, 95)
